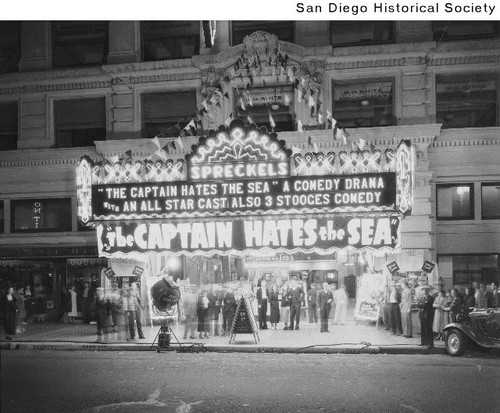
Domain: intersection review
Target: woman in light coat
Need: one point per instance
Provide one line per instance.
(405, 307)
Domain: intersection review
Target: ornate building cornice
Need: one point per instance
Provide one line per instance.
(465, 143)
(364, 63)
(463, 60)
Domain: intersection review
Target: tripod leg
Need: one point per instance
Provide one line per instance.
(156, 338)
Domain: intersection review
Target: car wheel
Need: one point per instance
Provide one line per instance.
(456, 342)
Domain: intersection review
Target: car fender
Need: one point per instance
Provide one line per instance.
(464, 329)
(469, 332)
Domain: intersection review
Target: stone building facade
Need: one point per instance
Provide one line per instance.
(105, 88)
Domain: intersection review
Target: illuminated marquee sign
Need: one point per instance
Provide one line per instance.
(240, 236)
(366, 192)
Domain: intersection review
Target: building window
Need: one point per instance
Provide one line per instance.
(466, 101)
(490, 201)
(468, 269)
(2, 218)
(261, 105)
(10, 46)
(285, 30)
(8, 126)
(41, 215)
(167, 113)
(455, 201)
(345, 33)
(79, 122)
(364, 103)
(79, 43)
(462, 30)
(165, 40)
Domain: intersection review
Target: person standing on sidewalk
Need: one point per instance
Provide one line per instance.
(202, 312)
(340, 298)
(130, 306)
(426, 315)
(395, 300)
(285, 306)
(21, 311)
(274, 303)
(189, 303)
(214, 310)
(405, 307)
(86, 302)
(228, 310)
(325, 299)
(312, 303)
(262, 296)
(103, 308)
(9, 309)
(296, 296)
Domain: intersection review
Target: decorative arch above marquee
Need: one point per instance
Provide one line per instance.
(239, 143)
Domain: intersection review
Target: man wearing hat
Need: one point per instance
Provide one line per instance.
(426, 315)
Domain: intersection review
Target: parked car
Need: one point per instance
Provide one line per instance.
(479, 326)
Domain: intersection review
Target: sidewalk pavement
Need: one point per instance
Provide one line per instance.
(348, 338)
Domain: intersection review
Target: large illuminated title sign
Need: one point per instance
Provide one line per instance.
(241, 236)
(244, 172)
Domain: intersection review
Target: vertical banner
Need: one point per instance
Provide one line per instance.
(37, 214)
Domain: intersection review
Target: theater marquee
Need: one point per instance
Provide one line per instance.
(240, 191)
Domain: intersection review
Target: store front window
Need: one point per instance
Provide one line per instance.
(79, 122)
(285, 30)
(166, 40)
(263, 105)
(345, 33)
(79, 43)
(41, 215)
(455, 201)
(490, 200)
(466, 101)
(8, 126)
(364, 103)
(475, 268)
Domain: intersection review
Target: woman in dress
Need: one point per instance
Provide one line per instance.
(405, 307)
(202, 312)
(285, 306)
(275, 306)
(9, 313)
(439, 322)
(73, 313)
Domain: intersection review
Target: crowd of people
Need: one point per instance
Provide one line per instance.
(210, 310)
(437, 307)
(22, 306)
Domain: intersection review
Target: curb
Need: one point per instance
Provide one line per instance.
(78, 346)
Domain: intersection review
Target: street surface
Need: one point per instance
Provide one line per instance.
(85, 381)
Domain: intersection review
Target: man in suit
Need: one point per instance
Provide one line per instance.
(395, 317)
(228, 310)
(426, 315)
(312, 302)
(296, 296)
(325, 298)
(262, 296)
